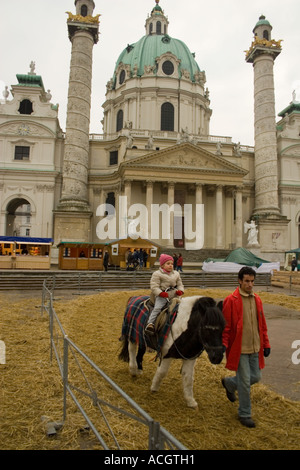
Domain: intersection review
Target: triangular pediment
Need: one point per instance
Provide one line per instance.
(186, 157)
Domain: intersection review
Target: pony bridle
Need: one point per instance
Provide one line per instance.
(206, 346)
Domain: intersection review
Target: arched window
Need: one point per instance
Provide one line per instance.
(25, 107)
(266, 35)
(17, 211)
(167, 117)
(119, 120)
(158, 27)
(84, 10)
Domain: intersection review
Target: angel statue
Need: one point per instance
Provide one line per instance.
(252, 232)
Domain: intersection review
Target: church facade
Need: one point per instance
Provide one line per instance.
(155, 170)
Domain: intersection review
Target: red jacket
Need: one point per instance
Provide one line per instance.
(233, 331)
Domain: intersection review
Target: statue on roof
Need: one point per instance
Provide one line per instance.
(32, 68)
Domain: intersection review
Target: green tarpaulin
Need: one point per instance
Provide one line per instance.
(240, 256)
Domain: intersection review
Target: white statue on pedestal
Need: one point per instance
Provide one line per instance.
(252, 232)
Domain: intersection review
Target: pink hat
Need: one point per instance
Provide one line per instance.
(164, 258)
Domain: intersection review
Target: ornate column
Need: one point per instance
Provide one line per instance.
(83, 34)
(262, 54)
(266, 167)
(219, 217)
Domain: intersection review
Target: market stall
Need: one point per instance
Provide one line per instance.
(119, 251)
(81, 256)
(25, 253)
(289, 257)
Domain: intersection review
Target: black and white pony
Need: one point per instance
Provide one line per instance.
(194, 326)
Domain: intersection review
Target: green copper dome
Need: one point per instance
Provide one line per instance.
(148, 48)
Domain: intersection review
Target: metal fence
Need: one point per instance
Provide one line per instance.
(108, 411)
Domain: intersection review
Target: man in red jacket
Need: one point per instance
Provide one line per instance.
(246, 341)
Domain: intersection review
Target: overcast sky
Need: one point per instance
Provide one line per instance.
(218, 32)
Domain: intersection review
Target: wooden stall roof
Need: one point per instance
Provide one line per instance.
(28, 240)
(80, 243)
(131, 243)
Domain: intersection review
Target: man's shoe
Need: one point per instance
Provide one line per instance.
(150, 329)
(248, 422)
(230, 395)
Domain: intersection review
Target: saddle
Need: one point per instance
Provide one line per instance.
(163, 317)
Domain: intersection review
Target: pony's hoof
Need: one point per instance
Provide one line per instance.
(193, 405)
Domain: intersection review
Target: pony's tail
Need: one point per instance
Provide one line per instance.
(124, 354)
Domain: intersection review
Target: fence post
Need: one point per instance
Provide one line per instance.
(65, 375)
(51, 326)
(43, 298)
(154, 436)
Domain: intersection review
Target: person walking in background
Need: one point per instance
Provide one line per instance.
(175, 258)
(105, 260)
(246, 341)
(140, 257)
(179, 262)
(145, 258)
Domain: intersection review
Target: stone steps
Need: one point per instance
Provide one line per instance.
(114, 280)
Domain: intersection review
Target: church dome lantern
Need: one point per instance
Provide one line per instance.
(157, 22)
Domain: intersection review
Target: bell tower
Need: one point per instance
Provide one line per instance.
(262, 54)
(72, 216)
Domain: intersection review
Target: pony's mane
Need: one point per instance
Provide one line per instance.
(209, 311)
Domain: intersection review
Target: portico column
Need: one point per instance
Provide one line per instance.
(219, 217)
(171, 198)
(199, 187)
(149, 202)
(238, 218)
(127, 192)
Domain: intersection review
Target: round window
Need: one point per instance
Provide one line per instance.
(122, 77)
(168, 67)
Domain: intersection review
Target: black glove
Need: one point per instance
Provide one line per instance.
(267, 352)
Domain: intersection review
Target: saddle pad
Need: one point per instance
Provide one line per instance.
(135, 318)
